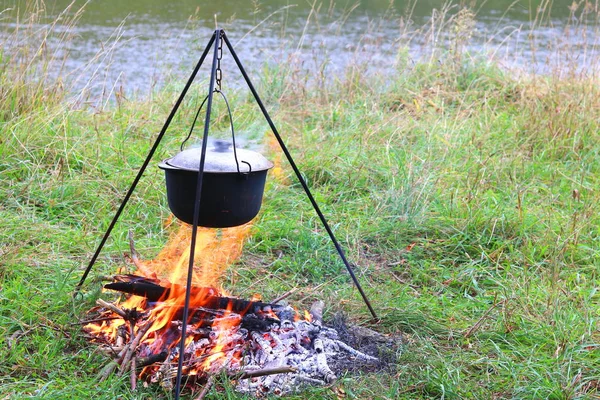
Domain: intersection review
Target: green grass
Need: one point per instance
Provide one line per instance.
(467, 198)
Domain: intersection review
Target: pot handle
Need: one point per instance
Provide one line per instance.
(237, 163)
(249, 166)
(193, 124)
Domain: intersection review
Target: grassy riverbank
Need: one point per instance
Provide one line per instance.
(467, 198)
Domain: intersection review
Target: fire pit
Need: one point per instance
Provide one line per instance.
(147, 332)
(264, 347)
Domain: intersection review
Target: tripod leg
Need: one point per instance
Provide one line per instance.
(188, 288)
(144, 166)
(299, 176)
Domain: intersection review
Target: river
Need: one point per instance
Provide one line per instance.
(133, 45)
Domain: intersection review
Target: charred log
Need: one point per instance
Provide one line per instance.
(253, 323)
(154, 358)
(154, 292)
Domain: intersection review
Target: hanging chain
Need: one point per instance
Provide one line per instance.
(218, 72)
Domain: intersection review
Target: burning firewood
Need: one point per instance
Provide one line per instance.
(153, 291)
(264, 348)
(112, 308)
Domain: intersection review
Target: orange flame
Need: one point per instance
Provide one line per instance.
(307, 316)
(215, 250)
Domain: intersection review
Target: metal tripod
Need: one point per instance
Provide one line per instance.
(218, 38)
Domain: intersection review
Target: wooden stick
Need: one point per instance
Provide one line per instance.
(284, 296)
(118, 350)
(122, 353)
(114, 350)
(402, 281)
(393, 264)
(112, 308)
(475, 327)
(131, 331)
(125, 363)
(91, 321)
(107, 370)
(133, 375)
(267, 371)
(314, 289)
(129, 350)
(155, 358)
(110, 367)
(51, 325)
(206, 388)
(15, 336)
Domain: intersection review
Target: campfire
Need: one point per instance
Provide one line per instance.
(265, 347)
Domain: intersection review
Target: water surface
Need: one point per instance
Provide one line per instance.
(136, 43)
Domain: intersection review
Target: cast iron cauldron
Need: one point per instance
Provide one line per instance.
(232, 189)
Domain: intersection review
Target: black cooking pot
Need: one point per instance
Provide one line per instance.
(232, 184)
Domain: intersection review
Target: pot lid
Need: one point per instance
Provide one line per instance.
(220, 158)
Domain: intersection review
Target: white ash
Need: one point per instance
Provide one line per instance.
(306, 346)
(303, 345)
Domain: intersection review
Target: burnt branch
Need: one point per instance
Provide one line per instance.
(286, 369)
(154, 292)
(112, 308)
(155, 358)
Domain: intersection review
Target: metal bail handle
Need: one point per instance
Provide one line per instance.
(237, 163)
